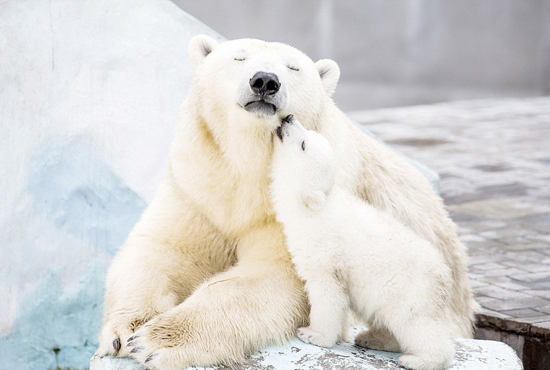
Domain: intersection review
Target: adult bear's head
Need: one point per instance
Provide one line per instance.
(252, 81)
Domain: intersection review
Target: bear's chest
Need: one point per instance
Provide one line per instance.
(241, 206)
(233, 202)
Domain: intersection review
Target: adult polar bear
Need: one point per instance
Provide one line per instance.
(206, 266)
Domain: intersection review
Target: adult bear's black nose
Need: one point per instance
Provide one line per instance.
(265, 83)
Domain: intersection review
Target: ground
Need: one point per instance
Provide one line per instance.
(470, 355)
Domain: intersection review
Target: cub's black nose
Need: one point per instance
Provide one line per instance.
(265, 83)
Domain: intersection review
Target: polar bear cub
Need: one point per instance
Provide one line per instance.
(351, 255)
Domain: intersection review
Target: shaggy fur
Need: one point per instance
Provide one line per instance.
(351, 254)
(206, 266)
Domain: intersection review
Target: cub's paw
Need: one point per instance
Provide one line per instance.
(380, 340)
(308, 335)
(416, 363)
(426, 361)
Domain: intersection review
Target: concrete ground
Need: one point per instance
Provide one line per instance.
(493, 157)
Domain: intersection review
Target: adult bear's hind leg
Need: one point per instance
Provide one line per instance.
(258, 302)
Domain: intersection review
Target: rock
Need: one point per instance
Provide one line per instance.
(470, 355)
(89, 98)
(112, 363)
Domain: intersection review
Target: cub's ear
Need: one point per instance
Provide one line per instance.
(329, 73)
(199, 47)
(314, 199)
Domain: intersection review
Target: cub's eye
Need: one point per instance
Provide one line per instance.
(303, 145)
(239, 59)
(294, 68)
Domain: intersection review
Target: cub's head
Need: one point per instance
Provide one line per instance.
(304, 166)
(258, 81)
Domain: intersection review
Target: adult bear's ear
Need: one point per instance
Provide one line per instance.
(329, 73)
(314, 199)
(199, 47)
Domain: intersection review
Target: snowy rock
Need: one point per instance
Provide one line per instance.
(470, 355)
(89, 98)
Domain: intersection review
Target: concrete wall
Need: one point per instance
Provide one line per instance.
(404, 52)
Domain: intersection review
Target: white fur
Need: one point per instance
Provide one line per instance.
(206, 266)
(351, 254)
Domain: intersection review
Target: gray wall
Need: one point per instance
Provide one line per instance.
(404, 52)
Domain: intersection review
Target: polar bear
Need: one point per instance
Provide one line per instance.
(204, 277)
(352, 255)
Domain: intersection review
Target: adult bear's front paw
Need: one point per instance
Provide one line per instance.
(164, 342)
(114, 335)
(109, 342)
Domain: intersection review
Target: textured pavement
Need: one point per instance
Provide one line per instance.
(493, 157)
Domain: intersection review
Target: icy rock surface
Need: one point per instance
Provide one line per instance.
(470, 355)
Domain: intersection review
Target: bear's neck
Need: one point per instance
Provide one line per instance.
(240, 146)
(246, 147)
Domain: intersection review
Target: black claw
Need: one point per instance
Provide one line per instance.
(150, 357)
(130, 344)
(288, 118)
(116, 344)
(132, 338)
(136, 349)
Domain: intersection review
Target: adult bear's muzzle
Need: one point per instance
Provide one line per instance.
(264, 98)
(263, 83)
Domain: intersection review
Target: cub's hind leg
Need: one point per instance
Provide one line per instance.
(425, 343)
